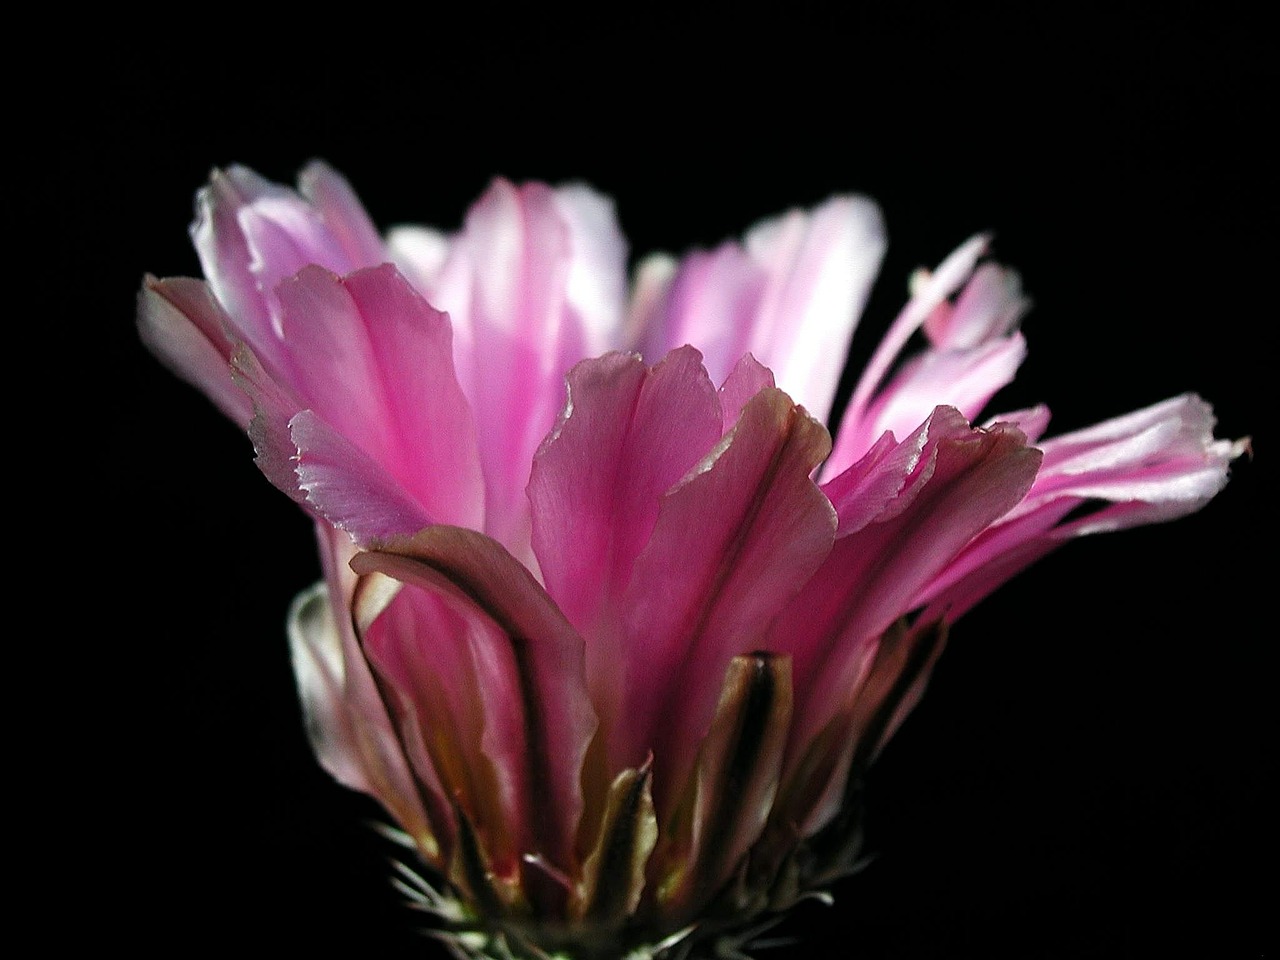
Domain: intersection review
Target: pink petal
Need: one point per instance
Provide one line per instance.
(345, 486)
(707, 300)
(435, 453)
(628, 433)
(865, 491)
(420, 253)
(733, 542)
(226, 258)
(989, 306)
(819, 269)
(597, 283)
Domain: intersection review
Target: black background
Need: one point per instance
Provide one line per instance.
(1091, 773)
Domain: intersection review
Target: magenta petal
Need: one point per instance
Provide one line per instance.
(372, 360)
(733, 542)
(559, 721)
(346, 487)
(434, 454)
(627, 434)
(863, 492)
(966, 480)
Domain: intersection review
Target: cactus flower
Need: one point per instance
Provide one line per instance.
(611, 626)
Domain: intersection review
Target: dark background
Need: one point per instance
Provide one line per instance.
(1091, 773)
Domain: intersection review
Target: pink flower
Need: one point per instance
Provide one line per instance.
(610, 626)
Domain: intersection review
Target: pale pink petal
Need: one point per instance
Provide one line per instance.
(183, 325)
(650, 282)
(930, 292)
(251, 234)
(819, 267)
(628, 433)
(506, 286)
(1164, 453)
(734, 540)
(964, 379)
(319, 671)
(708, 301)
(559, 721)
(791, 295)
(597, 283)
(1033, 421)
(342, 213)
(420, 253)
(989, 306)
(226, 258)
(1149, 466)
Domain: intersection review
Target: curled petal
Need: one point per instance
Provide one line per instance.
(728, 800)
(454, 686)
(558, 720)
(613, 873)
(346, 719)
